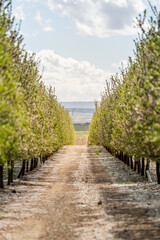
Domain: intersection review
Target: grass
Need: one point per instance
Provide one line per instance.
(82, 133)
(129, 181)
(97, 151)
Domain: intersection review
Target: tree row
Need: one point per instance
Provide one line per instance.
(127, 122)
(32, 123)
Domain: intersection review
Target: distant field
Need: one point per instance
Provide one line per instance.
(80, 115)
(81, 128)
(82, 133)
(78, 105)
(81, 110)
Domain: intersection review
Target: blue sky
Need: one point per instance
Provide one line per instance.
(80, 42)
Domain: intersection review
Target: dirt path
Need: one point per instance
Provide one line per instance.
(81, 193)
(81, 139)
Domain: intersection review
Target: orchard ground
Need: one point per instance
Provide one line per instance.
(81, 192)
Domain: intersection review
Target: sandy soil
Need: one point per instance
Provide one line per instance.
(81, 139)
(83, 193)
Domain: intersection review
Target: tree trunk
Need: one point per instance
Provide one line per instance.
(31, 167)
(9, 172)
(128, 160)
(27, 168)
(131, 162)
(23, 167)
(35, 162)
(22, 171)
(147, 167)
(158, 172)
(1, 177)
(121, 156)
(135, 165)
(44, 159)
(12, 170)
(143, 167)
(139, 166)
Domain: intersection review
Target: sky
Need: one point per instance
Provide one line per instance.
(80, 43)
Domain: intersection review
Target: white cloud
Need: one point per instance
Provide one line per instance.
(44, 25)
(18, 13)
(101, 18)
(73, 80)
(121, 64)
